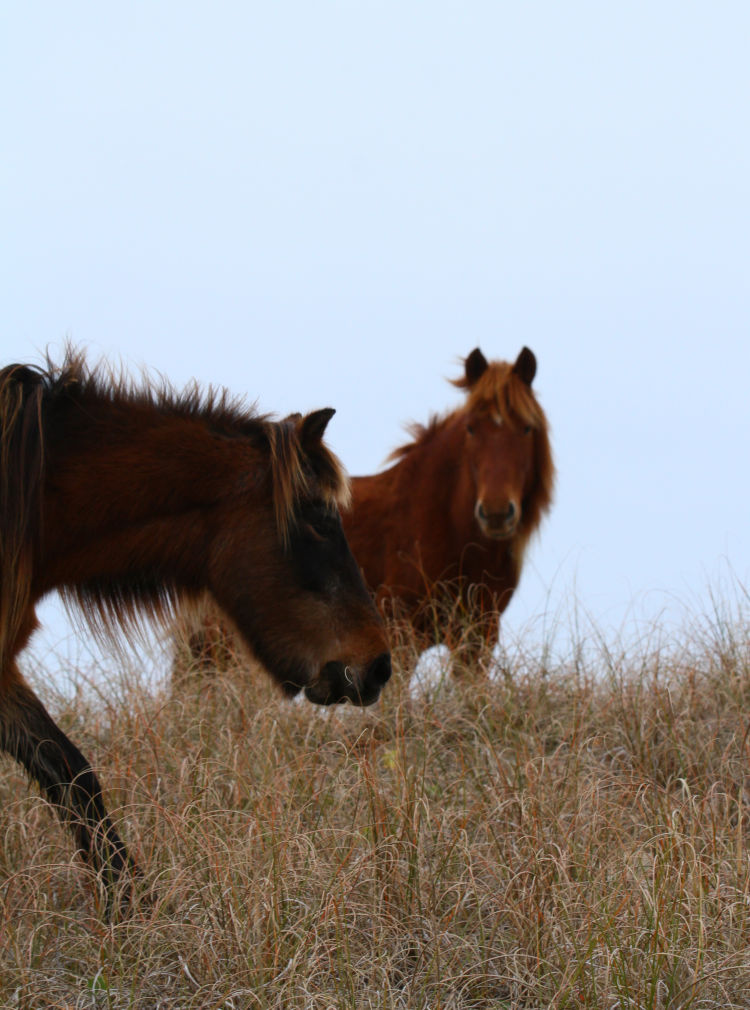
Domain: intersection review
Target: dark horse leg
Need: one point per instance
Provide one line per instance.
(29, 734)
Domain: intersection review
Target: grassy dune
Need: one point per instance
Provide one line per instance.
(571, 834)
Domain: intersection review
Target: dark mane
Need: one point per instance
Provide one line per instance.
(74, 378)
(226, 415)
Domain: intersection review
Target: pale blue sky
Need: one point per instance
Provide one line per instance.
(328, 203)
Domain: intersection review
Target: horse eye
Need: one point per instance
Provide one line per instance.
(324, 526)
(470, 429)
(527, 429)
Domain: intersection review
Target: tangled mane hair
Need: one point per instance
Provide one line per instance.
(294, 462)
(300, 463)
(499, 389)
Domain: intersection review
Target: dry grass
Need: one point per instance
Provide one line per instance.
(571, 834)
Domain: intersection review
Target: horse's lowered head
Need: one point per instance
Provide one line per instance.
(285, 575)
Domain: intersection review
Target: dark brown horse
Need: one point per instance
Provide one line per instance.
(440, 535)
(130, 500)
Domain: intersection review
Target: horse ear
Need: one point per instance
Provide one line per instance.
(525, 366)
(475, 365)
(312, 426)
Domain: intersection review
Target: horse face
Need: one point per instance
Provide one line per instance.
(337, 611)
(302, 606)
(501, 459)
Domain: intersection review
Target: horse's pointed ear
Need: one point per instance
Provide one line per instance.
(475, 366)
(312, 426)
(525, 366)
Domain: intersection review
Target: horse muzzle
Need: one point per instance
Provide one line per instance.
(498, 524)
(338, 682)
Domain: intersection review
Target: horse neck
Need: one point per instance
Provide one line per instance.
(161, 458)
(126, 487)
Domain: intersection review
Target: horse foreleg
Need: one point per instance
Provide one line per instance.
(29, 734)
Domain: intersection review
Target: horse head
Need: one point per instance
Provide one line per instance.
(502, 420)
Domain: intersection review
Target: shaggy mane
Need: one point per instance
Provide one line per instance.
(295, 469)
(499, 390)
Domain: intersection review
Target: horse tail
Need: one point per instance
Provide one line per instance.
(21, 475)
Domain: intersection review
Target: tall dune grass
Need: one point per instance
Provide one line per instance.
(571, 833)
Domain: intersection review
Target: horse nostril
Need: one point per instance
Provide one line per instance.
(481, 511)
(380, 669)
(511, 511)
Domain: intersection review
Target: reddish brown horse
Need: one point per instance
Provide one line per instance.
(440, 535)
(131, 500)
